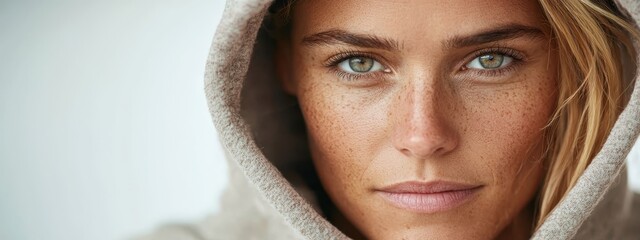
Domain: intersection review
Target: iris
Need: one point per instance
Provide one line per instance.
(491, 61)
(361, 64)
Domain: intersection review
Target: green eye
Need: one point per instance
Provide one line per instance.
(490, 61)
(360, 65)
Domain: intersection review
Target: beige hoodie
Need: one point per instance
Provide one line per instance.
(267, 197)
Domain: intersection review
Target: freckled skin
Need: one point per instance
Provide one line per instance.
(425, 120)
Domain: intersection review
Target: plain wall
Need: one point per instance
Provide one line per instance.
(104, 128)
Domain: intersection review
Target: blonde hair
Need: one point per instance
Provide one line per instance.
(591, 38)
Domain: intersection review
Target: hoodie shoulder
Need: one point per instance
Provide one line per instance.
(632, 229)
(617, 216)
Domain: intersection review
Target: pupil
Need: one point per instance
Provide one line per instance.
(361, 64)
(491, 60)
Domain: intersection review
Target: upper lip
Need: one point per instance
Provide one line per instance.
(418, 187)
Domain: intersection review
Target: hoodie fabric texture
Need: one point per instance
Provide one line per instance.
(266, 151)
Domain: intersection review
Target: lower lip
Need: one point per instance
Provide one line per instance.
(429, 202)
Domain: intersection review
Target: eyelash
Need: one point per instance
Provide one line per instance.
(332, 63)
(515, 55)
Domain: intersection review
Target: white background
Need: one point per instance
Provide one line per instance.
(104, 129)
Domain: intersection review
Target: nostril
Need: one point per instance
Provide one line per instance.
(439, 150)
(406, 152)
(416, 152)
(425, 147)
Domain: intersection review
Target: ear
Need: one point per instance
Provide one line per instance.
(283, 67)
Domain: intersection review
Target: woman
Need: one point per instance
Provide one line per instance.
(424, 120)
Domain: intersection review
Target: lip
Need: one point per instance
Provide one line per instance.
(428, 197)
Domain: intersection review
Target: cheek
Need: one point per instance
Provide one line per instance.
(506, 129)
(346, 130)
(331, 123)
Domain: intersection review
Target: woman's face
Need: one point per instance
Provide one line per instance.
(424, 117)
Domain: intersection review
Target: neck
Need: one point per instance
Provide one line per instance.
(342, 223)
(522, 226)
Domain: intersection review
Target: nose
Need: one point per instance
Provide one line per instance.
(422, 130)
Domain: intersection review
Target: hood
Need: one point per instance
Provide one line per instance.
(268, 196)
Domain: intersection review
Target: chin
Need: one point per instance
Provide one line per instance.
(471, 218)
(445, 231)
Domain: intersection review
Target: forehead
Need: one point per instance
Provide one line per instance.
(412, 20)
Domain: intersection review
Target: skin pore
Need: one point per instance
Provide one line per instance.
(423, 91)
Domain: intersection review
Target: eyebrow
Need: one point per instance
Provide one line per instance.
(505, 32)
(343, 37)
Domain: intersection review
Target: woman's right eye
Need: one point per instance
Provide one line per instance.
(360, 65)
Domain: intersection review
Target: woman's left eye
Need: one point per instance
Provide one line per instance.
(490, 61)
(360, 65)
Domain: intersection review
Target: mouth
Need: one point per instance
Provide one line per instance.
(428, 197)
